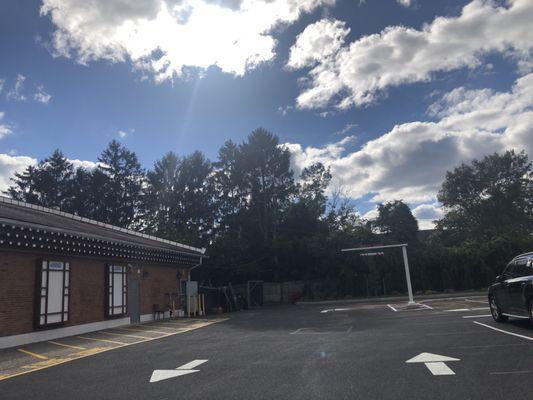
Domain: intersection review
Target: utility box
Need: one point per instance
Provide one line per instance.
(191, 288)
(191, 296)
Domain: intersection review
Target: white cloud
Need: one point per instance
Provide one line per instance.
(304, 157)
(122, 134)
(405, 3)
(371, 214)
(347, 128)
(41, 96)
(16, 93)
(426, 214)
(317, 42)
(11, 164)
(410, 161)
(166, 36)
(83, 164)
(355, 74)
(4, 128)
(284, 110)
(2, 83)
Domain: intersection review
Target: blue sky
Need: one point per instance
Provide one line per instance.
(390, 111)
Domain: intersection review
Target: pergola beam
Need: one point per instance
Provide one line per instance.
(376, 247)
(405, 263)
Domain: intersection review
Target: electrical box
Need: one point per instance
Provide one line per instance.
(191, 288)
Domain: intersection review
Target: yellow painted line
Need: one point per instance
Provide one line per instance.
(166, 327)
(87, 353)
(100, 340)
(68, 345)
(33, 354)
(123, 334)
(142, 330)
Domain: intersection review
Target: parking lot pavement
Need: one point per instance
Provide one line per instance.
(362, 351)
(37, 356)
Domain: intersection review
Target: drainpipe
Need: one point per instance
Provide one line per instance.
(193, 267)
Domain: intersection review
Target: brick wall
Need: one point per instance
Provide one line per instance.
(87, 289)
(160, 280)
(17, 285)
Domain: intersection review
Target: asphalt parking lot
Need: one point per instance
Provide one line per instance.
(333, 351)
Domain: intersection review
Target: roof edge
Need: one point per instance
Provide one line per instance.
(74, 217)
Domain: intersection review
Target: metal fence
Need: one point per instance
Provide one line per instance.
(282, 292)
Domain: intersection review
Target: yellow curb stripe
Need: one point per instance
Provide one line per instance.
(100, 340)
(33, 354)
(142, 330)
(123, 334)
(88, 353)
(167, 327)
(68, 345)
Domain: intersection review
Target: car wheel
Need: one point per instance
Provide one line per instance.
(496, 312)
(530, 309)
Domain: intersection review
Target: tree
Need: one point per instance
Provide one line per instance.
(487, 198)
(396, 221)
(229, 187)
(195, 193)
(268, 179)
(314, 180)
(161, 199)
(48, 184)
(178, 200)
(121, 177)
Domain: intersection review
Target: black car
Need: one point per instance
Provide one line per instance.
(512, 293)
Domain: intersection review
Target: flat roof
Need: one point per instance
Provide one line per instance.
(28, 214)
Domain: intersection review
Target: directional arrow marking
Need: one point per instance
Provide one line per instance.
(335, 309)
(434, 362)
(162, 374)
(185, 369)
(192, 364)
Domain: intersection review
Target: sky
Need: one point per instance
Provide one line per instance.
(390, 94)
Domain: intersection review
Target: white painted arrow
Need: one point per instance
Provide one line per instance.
(335, 309)
(185, 369)
(434, 362)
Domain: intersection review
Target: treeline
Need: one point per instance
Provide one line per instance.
(260, 221)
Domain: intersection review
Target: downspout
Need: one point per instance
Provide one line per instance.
(193, 267)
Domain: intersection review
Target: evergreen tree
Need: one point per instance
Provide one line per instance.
(48, 184)
(121, 178)
(161, 197)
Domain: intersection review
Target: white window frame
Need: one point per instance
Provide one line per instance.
(53, 293)
(117, 290)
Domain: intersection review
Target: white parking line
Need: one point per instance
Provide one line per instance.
(392, 308)
(476, 301)
(503, 331)
(477, 316)
(302, 331)
(512, 372)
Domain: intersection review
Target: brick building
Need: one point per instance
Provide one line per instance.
(62, 275)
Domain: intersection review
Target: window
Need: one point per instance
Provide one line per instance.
(524, 267)
(116, 285)
(53, 289)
